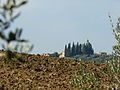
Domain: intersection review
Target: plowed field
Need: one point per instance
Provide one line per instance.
(46, 73)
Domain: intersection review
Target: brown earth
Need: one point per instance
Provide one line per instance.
(46, 73)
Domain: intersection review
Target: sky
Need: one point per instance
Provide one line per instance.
(50, 24)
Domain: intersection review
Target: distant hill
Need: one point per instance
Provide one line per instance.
(94, 58)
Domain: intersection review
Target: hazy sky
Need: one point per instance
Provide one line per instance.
(50, 24)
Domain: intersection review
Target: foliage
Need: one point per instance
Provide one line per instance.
(73, 52)
(94, 58)
(115, 62)
(84, 77)
(55, 54)
(68, 50)
(89, 48)
(12, 39)
(84, 49)
(78, 49)
(87, 79)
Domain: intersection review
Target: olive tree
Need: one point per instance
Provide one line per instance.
(115, 62)
(12, 39)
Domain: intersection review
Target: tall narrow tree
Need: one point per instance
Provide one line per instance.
(73, 50)
(69, 49)
(84, 49)
(77, 49)
(66, 51)
(89, 48)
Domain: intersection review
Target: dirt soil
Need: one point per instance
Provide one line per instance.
(47, 73)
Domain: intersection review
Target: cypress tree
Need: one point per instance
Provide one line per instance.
(79, 49)
(69, 49)
(66, 51)
(89, 48)
(84, 49)
(73, 50)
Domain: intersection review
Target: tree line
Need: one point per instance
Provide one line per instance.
(78, 49)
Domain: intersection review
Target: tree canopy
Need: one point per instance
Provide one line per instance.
(78, 49)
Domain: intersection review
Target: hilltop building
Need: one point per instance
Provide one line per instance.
(46, 54)
(103, 53)
(62, 55)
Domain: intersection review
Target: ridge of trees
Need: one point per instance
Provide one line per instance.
(78, 49)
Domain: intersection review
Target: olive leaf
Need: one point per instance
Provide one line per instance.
(6, 25)
(15, 16)
(14, 1)
(3, 46)
(22, 40)
(2, 35)
(22, 3)
(11, 36)
(18, 33)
